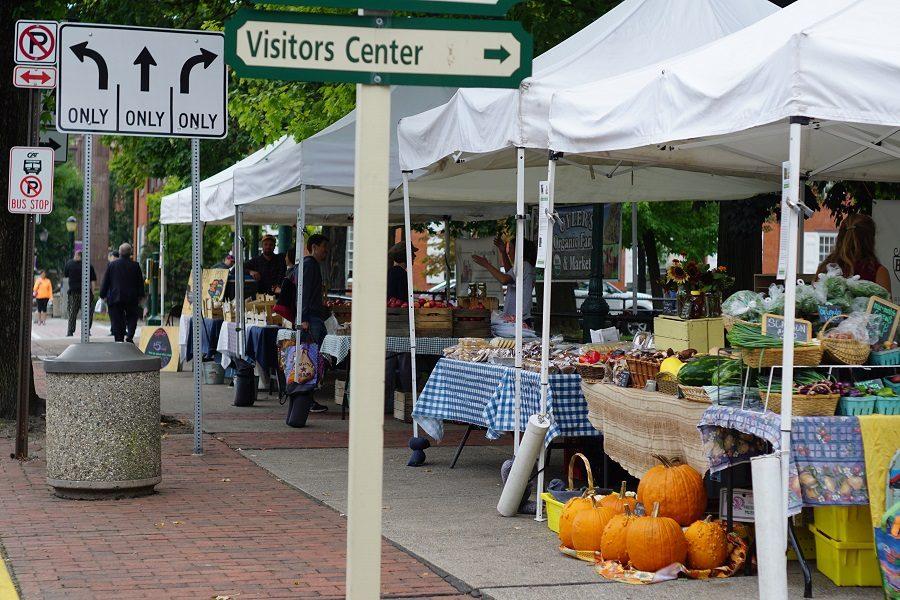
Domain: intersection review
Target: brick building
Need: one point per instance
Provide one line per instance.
(819, 235)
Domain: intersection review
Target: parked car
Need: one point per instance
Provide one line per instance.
(617, 300)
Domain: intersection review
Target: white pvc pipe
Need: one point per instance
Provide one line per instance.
(240, 326)
(162, 273)
(410, 296)
(531, 448)
(771, 543)
(790, 221)
(299, 263)
(634, 258)
(545, 324)
(520, 293)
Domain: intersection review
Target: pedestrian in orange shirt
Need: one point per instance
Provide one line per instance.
(43, 291)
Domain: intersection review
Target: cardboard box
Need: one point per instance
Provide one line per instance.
(741, 502)
(340, 387)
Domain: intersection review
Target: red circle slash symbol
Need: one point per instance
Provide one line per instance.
(39, 41)
(31, 186)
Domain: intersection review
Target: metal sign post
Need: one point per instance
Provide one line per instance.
(196, 275)
(86, 239)
(378, 49)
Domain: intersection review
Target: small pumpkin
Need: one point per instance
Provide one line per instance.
(569, 512)
(614, 543)
(678, 489)
(655, 542)
(707, 544)
(588, 527)
(618, 501)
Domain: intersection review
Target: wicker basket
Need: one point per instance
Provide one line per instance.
(591, 373)
(641, 371)
(804, 356)
(821, 405)
(666, 384)
(845, 352)
(695, 393)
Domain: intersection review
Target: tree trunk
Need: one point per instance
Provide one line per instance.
(335, 269)
(740, 239)
(649, 241)
(13, 132)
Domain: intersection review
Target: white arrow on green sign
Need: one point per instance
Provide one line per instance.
(380, 50)
(459, 7)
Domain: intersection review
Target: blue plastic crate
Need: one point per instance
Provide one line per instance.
(862, 405)
(885, 357)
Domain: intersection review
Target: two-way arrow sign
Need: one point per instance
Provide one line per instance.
(141, 81)
(380, 50)
(34, 77)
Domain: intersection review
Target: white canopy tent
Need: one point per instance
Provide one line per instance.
(492, 144)
(816, 85)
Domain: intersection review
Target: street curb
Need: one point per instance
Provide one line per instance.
(7, 587)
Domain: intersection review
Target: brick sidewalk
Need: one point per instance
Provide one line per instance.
(219, 526)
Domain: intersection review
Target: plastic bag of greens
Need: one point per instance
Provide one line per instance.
(743, 304)
(807, 301)
(832, 284)
(859, 305)
(775, 302)
(862, 327)
(860, 288)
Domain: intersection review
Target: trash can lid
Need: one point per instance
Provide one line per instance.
(102, 357)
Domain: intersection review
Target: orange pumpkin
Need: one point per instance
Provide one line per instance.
(588, 526)
(655, 542)
(707, 544)
(677, 488)
(614, 543)
(569, 512)
(618, 501)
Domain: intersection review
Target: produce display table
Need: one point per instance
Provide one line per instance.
(338, 346)
(228, 346)
(260, 346)
(636, 424)
(828, 465)
(209, 338)
(483, 395)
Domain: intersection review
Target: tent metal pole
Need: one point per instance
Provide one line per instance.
(790, 293)
(634, 257)
(410, 295)
(447, 270)
(545, 324)
(239, 278)
(162, 273)
(520, 307)
(299, 264)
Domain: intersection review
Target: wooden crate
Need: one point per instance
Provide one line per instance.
(434, 322)
(680, 334)
(471, 323)
(490, 303)
(398, 322)
(341, 313)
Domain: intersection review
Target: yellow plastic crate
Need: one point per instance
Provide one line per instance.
(554, 511)
(847, 563)
(845, 523)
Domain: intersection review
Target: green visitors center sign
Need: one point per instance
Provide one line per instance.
(462, 7)
(377, 50)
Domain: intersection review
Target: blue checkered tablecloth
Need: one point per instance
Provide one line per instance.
(338, 346)
(484, 395)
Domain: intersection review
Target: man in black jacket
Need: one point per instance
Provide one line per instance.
(73, 273)
(123, 288)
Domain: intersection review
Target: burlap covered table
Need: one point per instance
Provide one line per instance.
(637, 424)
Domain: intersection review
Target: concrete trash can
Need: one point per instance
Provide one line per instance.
(103, 436)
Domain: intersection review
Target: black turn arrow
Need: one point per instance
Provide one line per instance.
(206, 57)
(81, 51)
(145, 60)
(52, 144)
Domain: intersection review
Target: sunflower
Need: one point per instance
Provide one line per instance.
(692, 270)
(676, 273)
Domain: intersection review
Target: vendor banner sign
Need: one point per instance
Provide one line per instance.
(573, 242)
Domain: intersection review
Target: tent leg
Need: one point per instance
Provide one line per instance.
(410, 295)
(545, 319)
(298, 269)
(520, 308)
(634, 258)
(239, 278)
(162, 274)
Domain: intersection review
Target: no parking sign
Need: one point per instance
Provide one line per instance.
(30, 180)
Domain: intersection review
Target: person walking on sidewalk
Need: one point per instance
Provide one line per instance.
(123, 289)
(43, 292)
(72, 270)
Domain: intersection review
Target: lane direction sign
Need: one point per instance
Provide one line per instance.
(460, 7)
(141, 81)
(56, 141)
(36, 42)
(380, 50)
(30, 180)
(25, 76)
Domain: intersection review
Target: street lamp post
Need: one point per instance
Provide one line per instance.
(71, 227)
